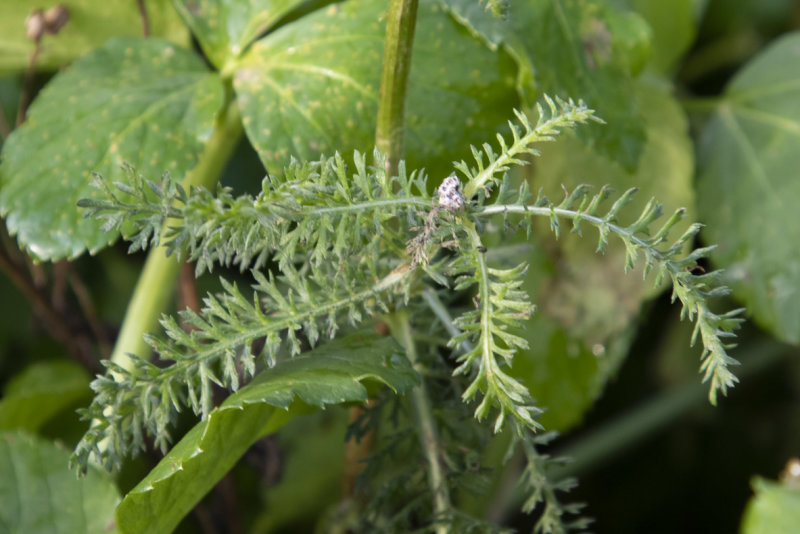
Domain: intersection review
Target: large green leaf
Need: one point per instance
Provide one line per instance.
(91, 23)
(145, 102)
(40, 495)
(586, 49)
(748, 186)
(224, 28)
(330, 374)
(41, 391)
(312, 86)
(587, 304)
(774, 509)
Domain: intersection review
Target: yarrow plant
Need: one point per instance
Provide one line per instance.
(393, 303)
(336, 244)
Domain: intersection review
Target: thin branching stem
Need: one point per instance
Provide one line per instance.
(400, 323)
(440, 311)
(547, 211)
(692, 291)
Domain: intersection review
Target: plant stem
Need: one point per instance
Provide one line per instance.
(441, 312)
(400, 325)
(701, 104)
(27, 87)
(76, 344)
(389, 138)
(144, 17)
(615, 437)
(153, 291)
(400, 26)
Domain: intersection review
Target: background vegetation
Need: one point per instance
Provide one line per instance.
(701, 101)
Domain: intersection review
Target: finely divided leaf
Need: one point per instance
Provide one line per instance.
(748, 187)
(589, 305)
(331, 374)
(145, 102)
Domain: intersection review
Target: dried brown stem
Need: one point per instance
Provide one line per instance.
(356, 453)
(187, 289)
(5, 128)
(78, 347)
(27, 88)
(89, 313)
(144, 17)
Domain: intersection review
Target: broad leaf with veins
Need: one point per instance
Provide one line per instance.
(224, 28)
(141, 101)
(333, 373)
(748, 187)
(311, 87)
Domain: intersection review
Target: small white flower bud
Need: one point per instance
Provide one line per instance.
(34, 25)
(55, 18)
(450, 196)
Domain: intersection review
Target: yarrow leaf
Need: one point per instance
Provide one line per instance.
(227, 339)
(332, 245)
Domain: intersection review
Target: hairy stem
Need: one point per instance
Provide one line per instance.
(400, 325)
(400, 26)
(692, 292)
(154, 289)
(546, 211)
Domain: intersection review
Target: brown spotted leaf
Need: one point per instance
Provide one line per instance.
(145, 102)
(225, 28)
(311, 87)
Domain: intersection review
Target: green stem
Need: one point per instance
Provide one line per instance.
(719, 54)
(615, 437)
(400, 25)
(153, 291)
(400, 325)
(443, 314)
(701, 105)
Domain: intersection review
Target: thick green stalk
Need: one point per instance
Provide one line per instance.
(154, 289)
(389, 136)
(400, 326)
